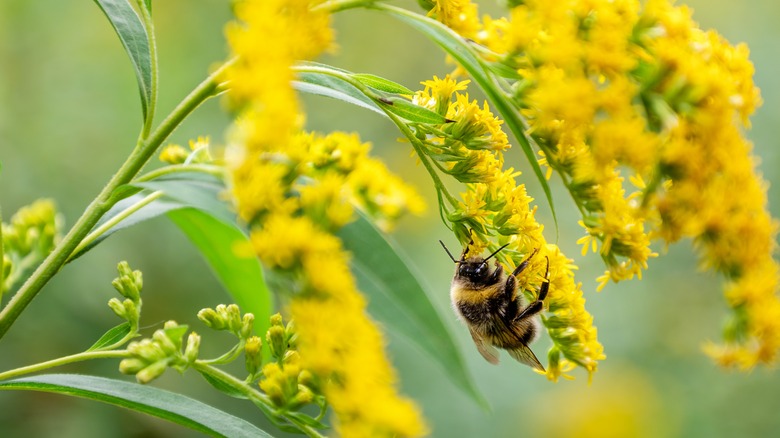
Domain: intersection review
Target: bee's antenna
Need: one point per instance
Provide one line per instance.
(448, 251)
(494, 253)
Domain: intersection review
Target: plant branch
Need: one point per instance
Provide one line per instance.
(103, 202)
(79, 357)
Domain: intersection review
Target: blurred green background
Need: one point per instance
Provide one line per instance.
(69, 114)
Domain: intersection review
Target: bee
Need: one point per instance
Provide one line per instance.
(488, 302)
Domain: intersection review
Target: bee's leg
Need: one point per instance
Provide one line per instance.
(512, 301)
(521, 267)
(537, 306)
(496, 275)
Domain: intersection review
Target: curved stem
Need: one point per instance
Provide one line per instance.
(102, 203)
(79, 357)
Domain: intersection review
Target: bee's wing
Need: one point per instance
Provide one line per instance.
(523, 354)
(489, 352)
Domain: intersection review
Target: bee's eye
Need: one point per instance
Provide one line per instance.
(474, 271)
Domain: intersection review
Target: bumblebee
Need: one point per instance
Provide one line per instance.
(488, 302)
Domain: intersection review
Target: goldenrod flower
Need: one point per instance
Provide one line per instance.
(495, 210)
(295, 189)
(612, 91)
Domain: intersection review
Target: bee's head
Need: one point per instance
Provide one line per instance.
(475, 269)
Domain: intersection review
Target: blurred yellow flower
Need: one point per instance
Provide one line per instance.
(294, 190)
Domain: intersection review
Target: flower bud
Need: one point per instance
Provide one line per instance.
(192, 348)
(131, 365)
(118, 307)
(161, 338)
(277, 342)
(276, 319)
(247, 325)
(151, 372)
(233, 317)
(253, 354)
(212, 319)
(302, 397)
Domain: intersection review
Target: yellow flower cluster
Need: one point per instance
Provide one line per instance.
(614, 92)
(198, 153)
(470, 149)
(295, 189)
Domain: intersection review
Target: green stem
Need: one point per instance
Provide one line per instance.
(149, 25)
(79, 357)
(102, 203)
(251, 393)
(228, 357)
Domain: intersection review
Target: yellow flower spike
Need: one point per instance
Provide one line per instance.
(268, 160)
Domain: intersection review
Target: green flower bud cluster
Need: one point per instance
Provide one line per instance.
(228, 318)
(151, 357)
(30, 236)
(129, 285)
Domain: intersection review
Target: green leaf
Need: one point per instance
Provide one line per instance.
(459, 49)
(222, 386)
(412, 112)
(194, 189)
(398, 299)
(149, 211)
(241, 276)
(112, 336)
(329, 86)
(133, 35)
(145, 399)
(382, 84)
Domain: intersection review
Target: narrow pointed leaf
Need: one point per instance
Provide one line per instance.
(222, 386)
(411, 112)
(382, 84)
(112, 336)
(167, 405)
(133, 35)
(329, 86)
(150, 211)
(398, 299)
